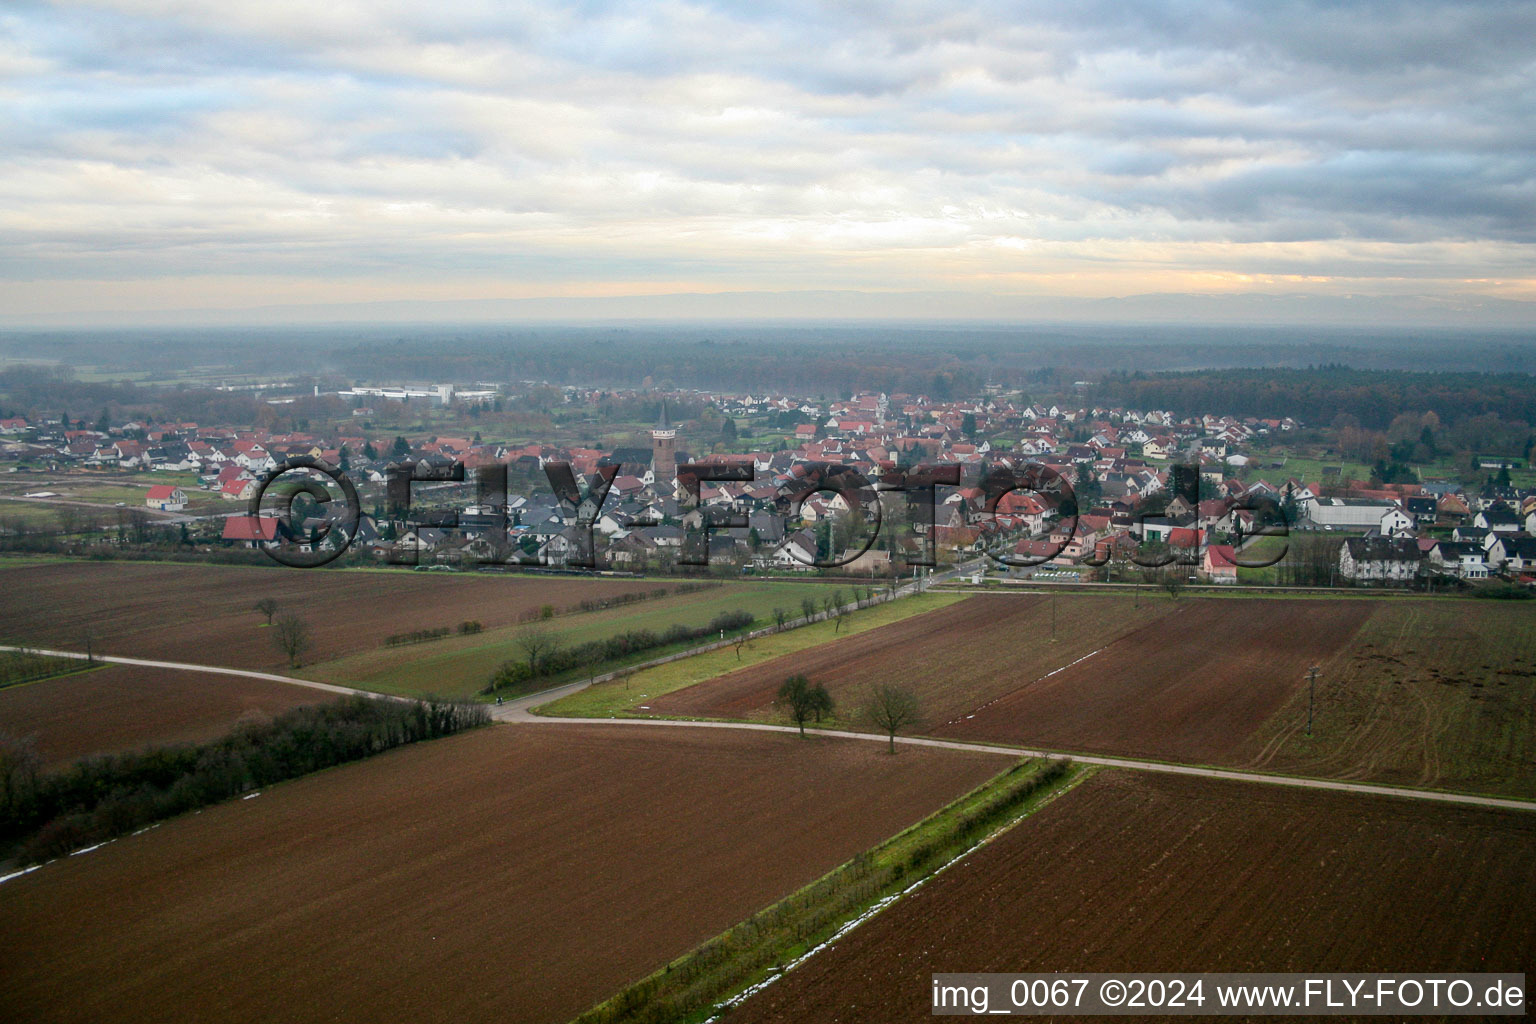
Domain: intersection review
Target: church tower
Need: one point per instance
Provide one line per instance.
(664, 455)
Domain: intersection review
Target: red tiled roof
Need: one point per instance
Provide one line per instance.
(250, 528)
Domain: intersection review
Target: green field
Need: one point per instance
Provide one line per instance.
(615, 698)
(1309, 471)
(462, 665)
(1259, 550)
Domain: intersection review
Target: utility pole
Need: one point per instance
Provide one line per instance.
(1053, 616)
(1311, 694)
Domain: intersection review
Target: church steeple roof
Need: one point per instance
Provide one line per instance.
(664, 423)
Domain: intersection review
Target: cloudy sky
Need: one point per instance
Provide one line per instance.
(164, 155)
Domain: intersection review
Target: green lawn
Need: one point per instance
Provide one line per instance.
(615, 698)
(1261, 549)
(1308, 471)
(460, 666)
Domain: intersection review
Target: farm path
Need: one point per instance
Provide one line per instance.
(181, 666)
(519, 710)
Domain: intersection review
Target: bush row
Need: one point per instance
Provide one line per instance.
(416, 636)
(554, 661)
(25, 666)
(47, 815)
(597, 604)
(420, 636)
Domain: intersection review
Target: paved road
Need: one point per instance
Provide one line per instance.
(519, 711)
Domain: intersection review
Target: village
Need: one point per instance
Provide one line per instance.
(1118, 511)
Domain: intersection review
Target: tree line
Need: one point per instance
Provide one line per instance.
(1374, 398)
(545, 655)
(46, 815)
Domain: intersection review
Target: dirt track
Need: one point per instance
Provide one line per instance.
(124, 707)
(204, 613)
(1141, 872)
(518, 873)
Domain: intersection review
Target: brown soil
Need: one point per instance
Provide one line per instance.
(509, 874)
(1192, 686)
(125, 707)
(954, 659)
(1143, 872)
(204, 614)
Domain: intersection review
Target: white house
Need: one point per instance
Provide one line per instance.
(1395, 522)
(166, 498)
(1513, 554)
(1379, 559)
(1460, 558)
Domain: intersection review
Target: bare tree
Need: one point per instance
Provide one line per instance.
(19, 766)
(1173, 579)
(833, 605)
(780, 616)
(739, 641)
(538, 645)
(292, 636)
(821, 702)
(808, 608)
(139, 521)
(268, 607)
(892, 708)
(796, 693)
(69, 520)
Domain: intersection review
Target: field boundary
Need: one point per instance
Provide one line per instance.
(748, 956)
(518, 711)
(556, 693)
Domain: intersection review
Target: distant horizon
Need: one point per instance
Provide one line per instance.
(823, 307)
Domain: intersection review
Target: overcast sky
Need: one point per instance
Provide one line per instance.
(185, 154)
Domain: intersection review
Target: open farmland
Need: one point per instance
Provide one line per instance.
(1431, 693)
(461, 666)
(1145, 872)
(1190, 686)
(955, 659)
(203, 613)
(628, 696)
(508, 874)
(118, 708)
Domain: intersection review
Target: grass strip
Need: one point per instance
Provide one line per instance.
(696, 986)
(615, 698)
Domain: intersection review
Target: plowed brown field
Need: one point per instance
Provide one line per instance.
(1143, 872)
(955, 658)
(1190, 687)
(124, 707)
(203, 613)
(512, 874)
(1190, 680)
